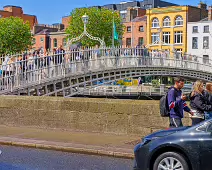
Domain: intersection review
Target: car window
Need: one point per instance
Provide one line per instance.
(205, 127)
(209, 128)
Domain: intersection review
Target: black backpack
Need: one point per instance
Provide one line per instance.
(164, 107)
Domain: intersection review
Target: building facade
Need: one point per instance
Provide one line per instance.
(200, 38)
(135, 32)
(15, 11)
(167, 27)
(123, 7)
(48, 36)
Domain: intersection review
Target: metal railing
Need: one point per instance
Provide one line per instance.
(24, 69)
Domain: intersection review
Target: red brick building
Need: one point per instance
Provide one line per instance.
(48, 36)
(135, 32)
(16, 11)
(65, 21)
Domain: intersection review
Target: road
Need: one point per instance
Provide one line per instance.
(17, 158)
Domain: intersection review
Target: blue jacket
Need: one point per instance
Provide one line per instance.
(176, 104)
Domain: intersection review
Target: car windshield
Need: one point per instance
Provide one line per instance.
(205, 127)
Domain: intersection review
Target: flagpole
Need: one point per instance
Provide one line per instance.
(113, 43)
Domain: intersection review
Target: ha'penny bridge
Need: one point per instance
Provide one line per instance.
(78, 71)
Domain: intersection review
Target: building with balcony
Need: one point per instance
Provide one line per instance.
(16, 11)
(200, 38)
(167, 27)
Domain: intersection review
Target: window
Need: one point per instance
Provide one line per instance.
(128, 29)
(140, 40)
(206, 42)
(148, 6)
(166, 37)
(64, 42)
(123, 15)
(155, 23)
(41, 40)
(178, 37)
(206, 29)
(179, 21)
(195, 29)
(194, 42)
(128, 41)
(155, 38)
(141, 28)
(55, 43)
(206, 59)
(166, 22)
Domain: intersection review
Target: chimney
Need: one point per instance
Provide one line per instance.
(209, 13)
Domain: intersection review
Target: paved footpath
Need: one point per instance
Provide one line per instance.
(70, 141)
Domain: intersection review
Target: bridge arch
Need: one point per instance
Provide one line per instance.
(74, 84)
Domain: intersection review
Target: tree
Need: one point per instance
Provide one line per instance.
(100, 25)
(15, 35)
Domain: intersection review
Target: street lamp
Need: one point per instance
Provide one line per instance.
(85, 19)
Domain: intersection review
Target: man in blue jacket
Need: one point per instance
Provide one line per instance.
(177, 103)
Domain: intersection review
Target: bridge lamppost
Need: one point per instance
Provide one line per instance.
(85, 19)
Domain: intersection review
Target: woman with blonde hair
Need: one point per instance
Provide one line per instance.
(208, 95)
(199, 103)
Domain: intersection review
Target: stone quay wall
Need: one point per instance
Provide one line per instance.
(85, 114)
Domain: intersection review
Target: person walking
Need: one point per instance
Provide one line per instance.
(199, 103)
(208, 95)
(177, 103)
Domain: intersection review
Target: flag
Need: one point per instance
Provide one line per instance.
(115, 34)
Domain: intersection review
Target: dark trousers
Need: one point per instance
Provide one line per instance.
(196, 121)
(175, 122)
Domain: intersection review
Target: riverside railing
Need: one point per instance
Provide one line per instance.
(32, 68)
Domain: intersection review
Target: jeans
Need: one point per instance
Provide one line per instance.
(208, 115)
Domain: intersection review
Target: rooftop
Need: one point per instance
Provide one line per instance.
(12, 6)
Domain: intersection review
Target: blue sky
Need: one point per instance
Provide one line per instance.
(52, 11)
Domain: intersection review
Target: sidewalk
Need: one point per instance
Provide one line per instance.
(70, 141)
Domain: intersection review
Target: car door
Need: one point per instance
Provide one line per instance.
(206, 147)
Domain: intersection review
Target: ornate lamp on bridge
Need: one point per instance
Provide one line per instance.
(85, 19)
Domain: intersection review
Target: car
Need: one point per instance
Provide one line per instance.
(183, 148)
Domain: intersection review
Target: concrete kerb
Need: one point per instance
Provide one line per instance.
(70, 149)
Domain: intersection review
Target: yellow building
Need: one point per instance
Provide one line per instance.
(167, 27)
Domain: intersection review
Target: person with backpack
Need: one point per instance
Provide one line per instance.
(177, 103)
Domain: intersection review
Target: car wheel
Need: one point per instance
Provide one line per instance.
(170, 161)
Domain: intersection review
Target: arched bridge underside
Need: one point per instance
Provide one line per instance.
(77, 83)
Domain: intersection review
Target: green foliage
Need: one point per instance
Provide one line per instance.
(100, 24)
(155, 83)
(15, 35)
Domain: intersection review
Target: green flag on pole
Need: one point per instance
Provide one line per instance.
(115, 34)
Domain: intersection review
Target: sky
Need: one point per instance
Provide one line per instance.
(52, 11)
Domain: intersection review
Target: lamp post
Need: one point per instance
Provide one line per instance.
(85, 20)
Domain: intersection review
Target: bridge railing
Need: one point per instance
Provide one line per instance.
(31, 68)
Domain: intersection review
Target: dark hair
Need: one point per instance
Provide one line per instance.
(178, 79)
